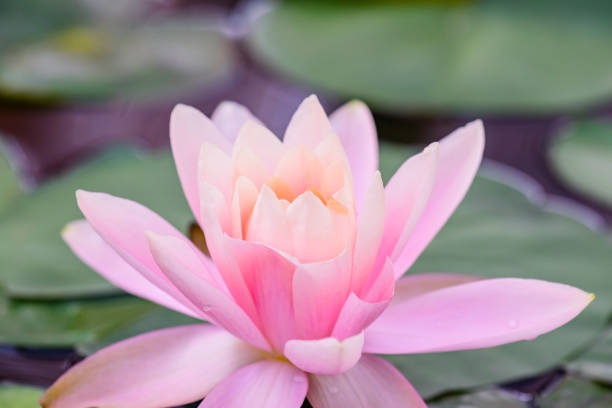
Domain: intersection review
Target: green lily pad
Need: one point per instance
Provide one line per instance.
(86, 324)
(497, 232)
(136, 62)
(36, 263)
(596, 362)
(576, 392)
(19, 396)
(487, 398)
(487, 56)
(9, 184)
(582, 156)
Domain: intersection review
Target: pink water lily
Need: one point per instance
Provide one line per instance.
(303, 288)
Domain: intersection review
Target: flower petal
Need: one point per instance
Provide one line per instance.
(309, 125)
(372, 383)
(479, 314)
(268, 276)
(265, 384)
(262, 142)
(460, 154)
(189, 128)
(163, 368)
(229, 117)
(411, 286)
(181, 266)
(122, 224)
(406, 195)
(215, 167)
(325, 356)
(370, 228)
(354, 125)
(99, 256)
(319, 291)
(268, 223)
(356, 315)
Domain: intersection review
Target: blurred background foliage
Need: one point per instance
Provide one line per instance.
(86, 88)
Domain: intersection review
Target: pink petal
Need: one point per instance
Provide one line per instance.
(300, 169)
(411, 286)
(268, 223)
(382, 286)
(163, 368)
(370, 230)
(122, 224)
(229, 117)
(99, 256)
(319, 291)
(354, 125)
(315, 237)
(215, 167)
(372, 383)
(189, 128)
(248, 164)
(217, 243)
(257, 138)
(483, 313)
(265, 384)
(181, 266)
(268, 276)
(356, 315)
(243, 202)
(325, 356)
(406, 195)
(460, 155)
(309, 125)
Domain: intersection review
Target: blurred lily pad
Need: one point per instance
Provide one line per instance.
(9, 184)
(19, 396)
(497, 232)
(36, 263)
(487, 398)
(582, 156)
(596, 362)
(576, 392)
(487, 56)
(135, 62)
(89, 324)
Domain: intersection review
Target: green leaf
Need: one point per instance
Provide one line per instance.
(596, 362)
(576, 392)
(487, 398)
(88, 324)
(582, 156)
(136, 62)
(19, 396)
(36, 263)
(9, 185)
(496, 232)
(487, 56)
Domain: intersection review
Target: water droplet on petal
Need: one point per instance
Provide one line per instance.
(512, 323)
(207, 308)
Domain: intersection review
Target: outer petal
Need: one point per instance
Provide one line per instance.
(370, 228)
(460, 155)
(372, 383)
(319, 291)
(189, 128)
(356, 315)
(180, 266)
(354, 125)
(122, 224)
(309, 125)
(406, 195)
(229, 117)
(484, 313)
(265, 384)
(325, 356)
(411, 286)
(96, 253)
(159, 369)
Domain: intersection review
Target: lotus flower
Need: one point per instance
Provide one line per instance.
(303, 289)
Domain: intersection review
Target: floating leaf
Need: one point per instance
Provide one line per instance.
(582, 156)
(596, 362)
(488, 398)
(493, 55)
(496, 232)
(131, 61)
(576, 392)
(19, 396)
(36, 263)
(9, 185)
